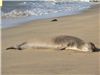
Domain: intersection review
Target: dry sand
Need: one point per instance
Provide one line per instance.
(50, 61)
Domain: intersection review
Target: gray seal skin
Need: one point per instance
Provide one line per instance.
(71, 42)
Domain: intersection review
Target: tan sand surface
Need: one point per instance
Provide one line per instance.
(50, 61)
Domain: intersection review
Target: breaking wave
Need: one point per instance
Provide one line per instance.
(38, 8)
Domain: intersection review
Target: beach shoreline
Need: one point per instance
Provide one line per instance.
(85, 25)
(29, 11)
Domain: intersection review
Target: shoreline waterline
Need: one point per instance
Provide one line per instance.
(44, 11)
(23, 21)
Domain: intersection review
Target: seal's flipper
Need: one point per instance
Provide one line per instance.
(22, 44)
(19, 48)
(10, 48)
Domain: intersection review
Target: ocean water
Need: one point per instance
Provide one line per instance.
(16, 12)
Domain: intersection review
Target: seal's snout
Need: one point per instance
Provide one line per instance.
(94, 48)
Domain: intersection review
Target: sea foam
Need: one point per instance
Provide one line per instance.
(37, 8)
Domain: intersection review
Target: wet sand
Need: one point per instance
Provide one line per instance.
(50, 61)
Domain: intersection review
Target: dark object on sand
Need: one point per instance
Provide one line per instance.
(54, 20)
(10, 48)
(19, 47)
(16, 48)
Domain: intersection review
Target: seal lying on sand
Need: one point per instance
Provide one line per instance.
(62, 43)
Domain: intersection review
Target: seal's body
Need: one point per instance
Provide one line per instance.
(71, 42)
(62, 43)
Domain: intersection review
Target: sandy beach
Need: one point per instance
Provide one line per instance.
(85, 25)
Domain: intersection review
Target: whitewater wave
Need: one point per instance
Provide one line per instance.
(38, 8)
